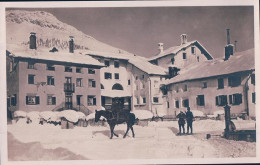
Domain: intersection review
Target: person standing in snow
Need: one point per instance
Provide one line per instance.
(181, 121)
(189, 118)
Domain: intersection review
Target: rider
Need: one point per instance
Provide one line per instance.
(116, 108)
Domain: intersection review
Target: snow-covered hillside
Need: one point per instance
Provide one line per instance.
(50, 32)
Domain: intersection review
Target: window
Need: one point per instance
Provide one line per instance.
(31, 79)
(142, 76)
(235, 99)
(117, 87)
(117, 76)
(200, 100)
(108, 75)
(102, 86)
(155, 99)
(144, 100)
(30, 65)
(253, 97)
(143, 85)
(50, 67)
(205, 85)
(92, 100)
(253, 79)
(198, 58)
(68, 69)
(50, 80)
(221, 100)
(234, 81)
(184, 56)
(78, 99)
(136, 78)
(91, 71)
(91, 83)
(107, 63)
(78, 70)
(168, 104)
(220, 83)
(177, 105)
(185, 103)
(51, 100)
(116, 64)
(32, 100)
(13, 100)
(172, 60)
(79, 82)
(129, 82)
(193, 50)
(185, 88)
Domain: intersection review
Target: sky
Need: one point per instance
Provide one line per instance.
(138, 30)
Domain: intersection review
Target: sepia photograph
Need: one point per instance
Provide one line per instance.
(130, 83)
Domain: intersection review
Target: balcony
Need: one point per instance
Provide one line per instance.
(69, 87)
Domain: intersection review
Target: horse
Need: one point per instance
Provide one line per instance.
(129, 118)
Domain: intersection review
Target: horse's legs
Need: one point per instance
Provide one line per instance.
(111, 131)
(132, 129)
(114, 132)
(126, 131)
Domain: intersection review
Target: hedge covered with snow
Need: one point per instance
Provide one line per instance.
(143, 114)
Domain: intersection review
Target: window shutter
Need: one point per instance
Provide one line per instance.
(225, 99)
(52, 81)
(26, 99)
(217, 103)
(94, 101)
(53, 100)
(15, 100)
(37, 99)
(198, 101)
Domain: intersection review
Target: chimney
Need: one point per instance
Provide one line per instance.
(235, 45)
(228, 37)
(183, 39)
(32, 40)
(71, 45)
(160, 47)
(229, 47)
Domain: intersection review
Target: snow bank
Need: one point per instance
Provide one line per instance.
(219, 112)
(197, 113)
(143, 114)
(92, 116)
(70, 115)
(19, 114)
(34, 116)
(47, 115)
(81, 115)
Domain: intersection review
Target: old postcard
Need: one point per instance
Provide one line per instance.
(129, 82)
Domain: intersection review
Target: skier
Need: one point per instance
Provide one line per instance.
(181, 121)
(189, 118)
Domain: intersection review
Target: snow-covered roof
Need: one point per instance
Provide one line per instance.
(241, 61)
(137, 61)
(176, 49)
(44, 54)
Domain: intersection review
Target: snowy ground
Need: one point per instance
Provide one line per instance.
(156, 141)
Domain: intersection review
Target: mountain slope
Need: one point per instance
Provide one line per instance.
(50, 32)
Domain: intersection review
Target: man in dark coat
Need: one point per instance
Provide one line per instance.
(181, 121)
(189, 118)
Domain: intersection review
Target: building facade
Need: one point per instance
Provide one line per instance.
(131, 78)
(42, 80)
(208, 87)
(181, 56)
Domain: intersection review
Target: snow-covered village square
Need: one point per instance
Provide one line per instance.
(178, 82)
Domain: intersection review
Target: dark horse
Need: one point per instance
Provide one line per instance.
(129, 118)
